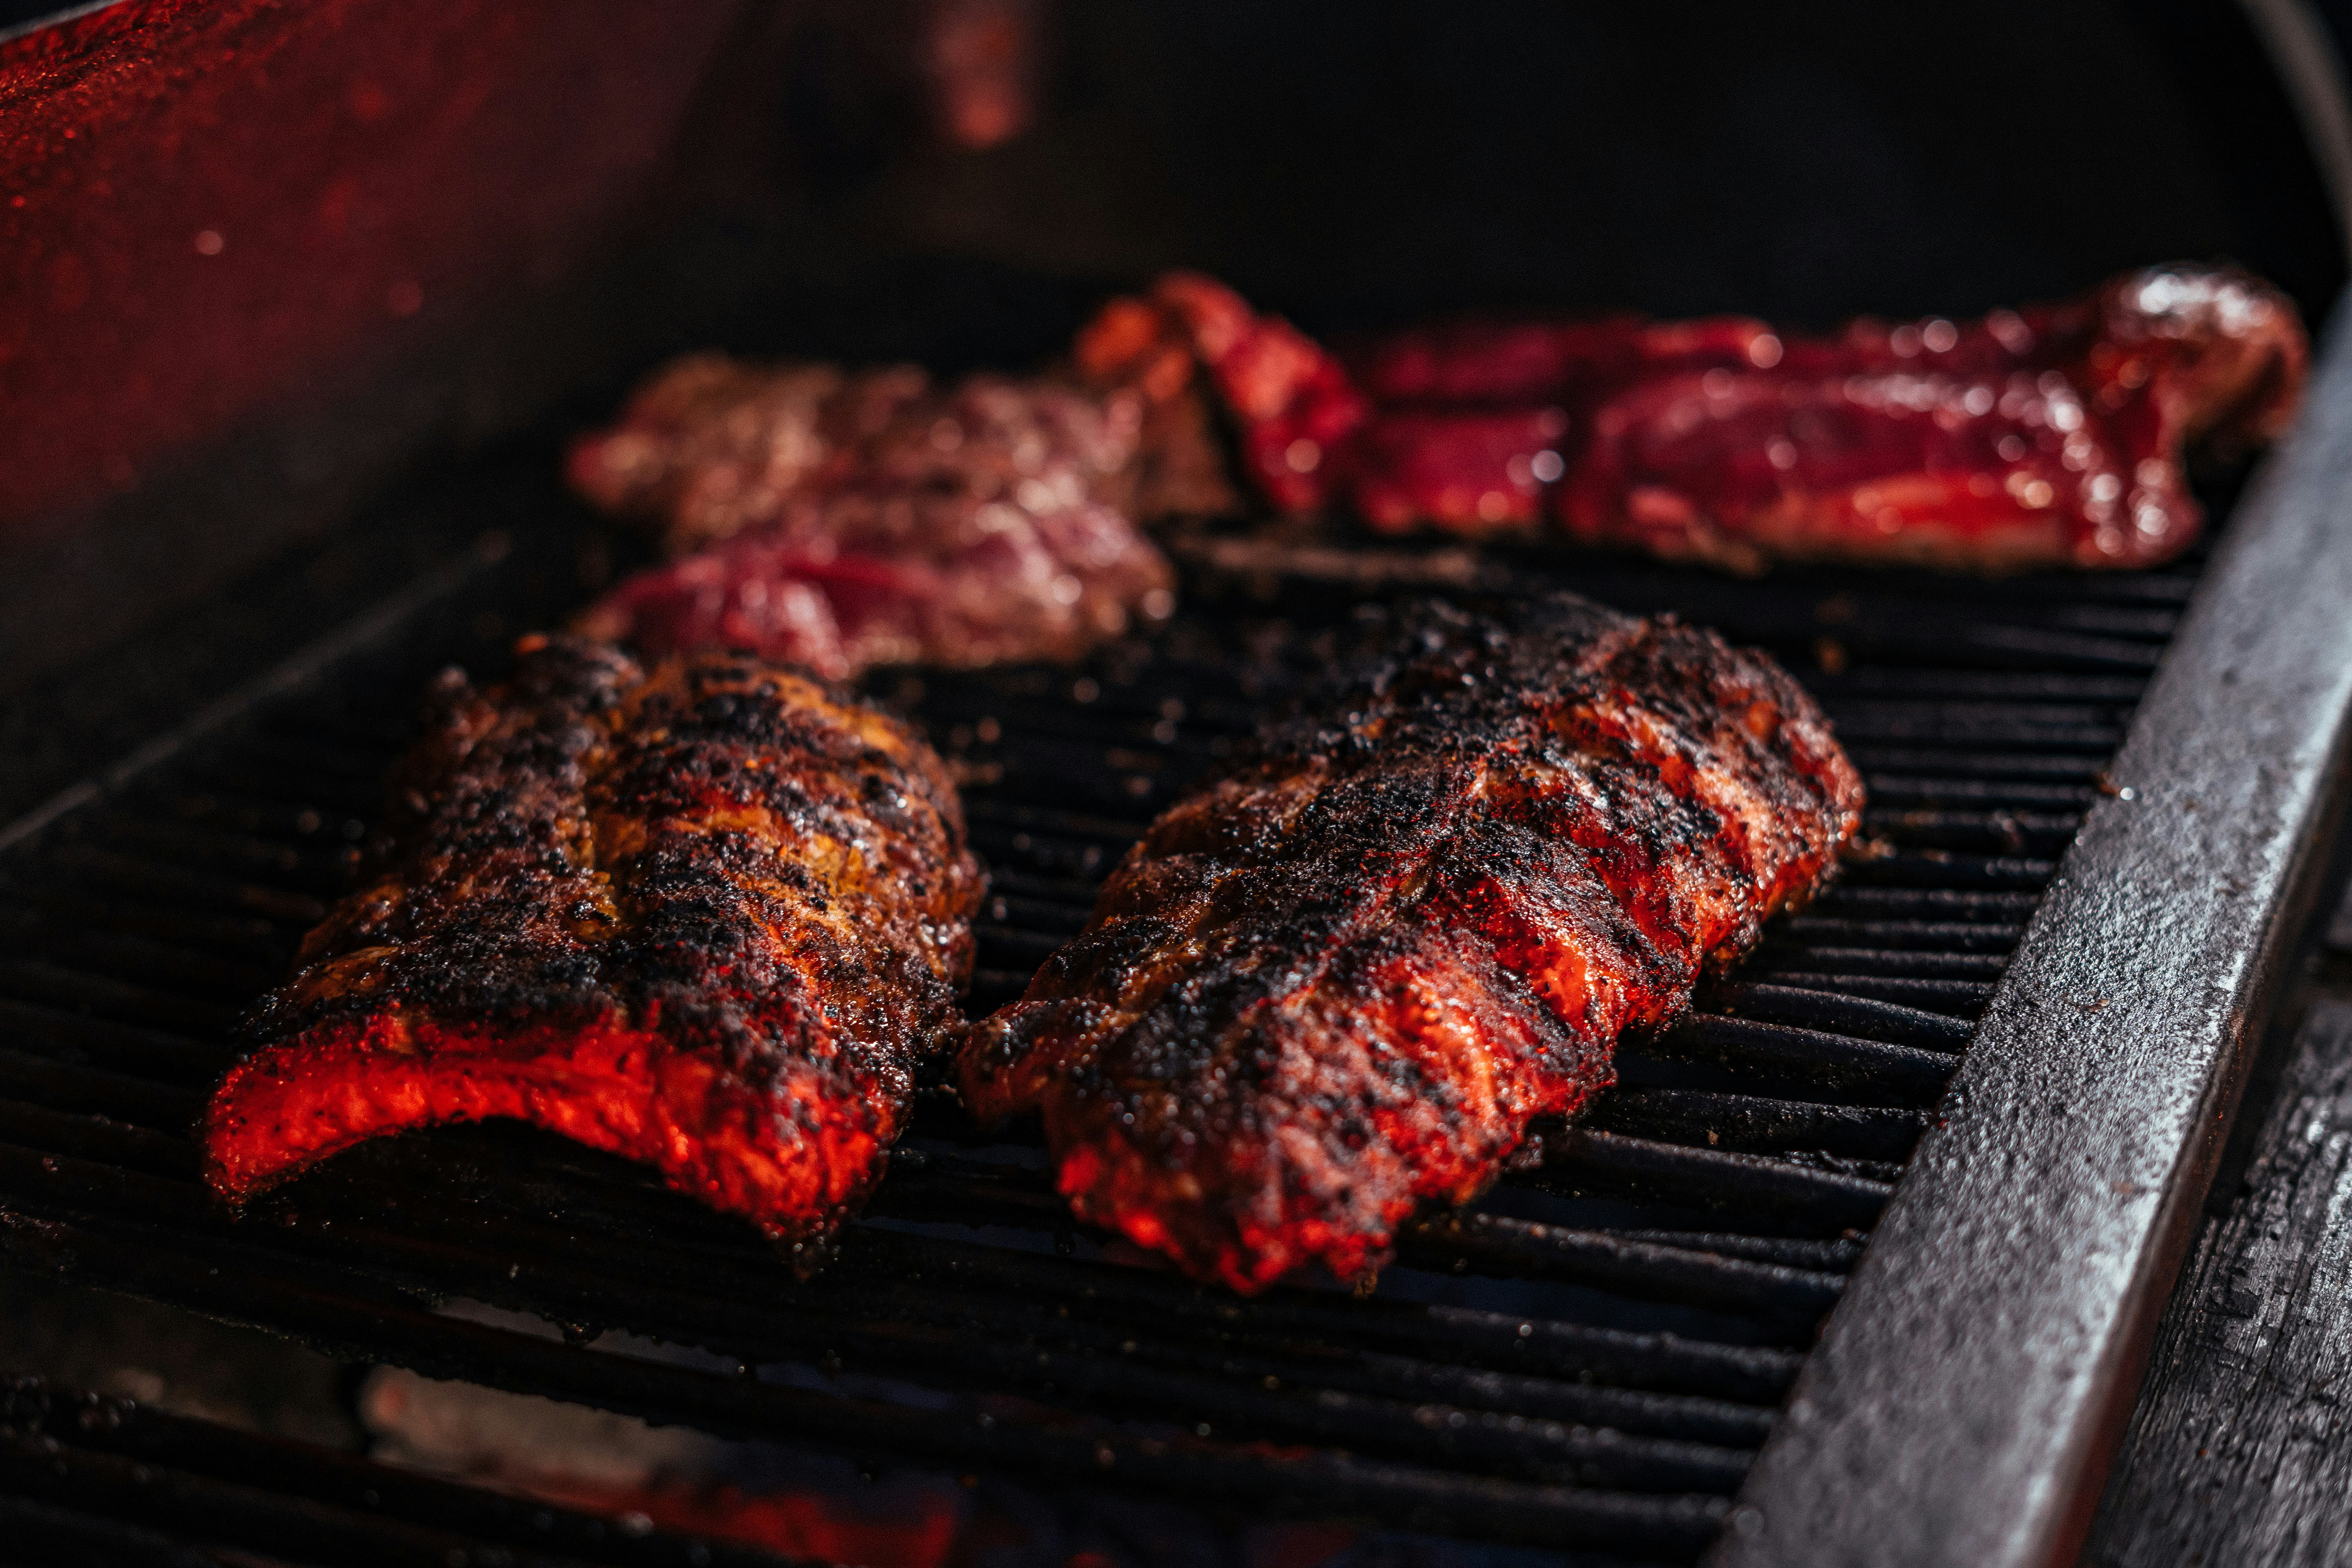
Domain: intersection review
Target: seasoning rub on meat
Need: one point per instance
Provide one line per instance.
(1342, 980)
(709, 915)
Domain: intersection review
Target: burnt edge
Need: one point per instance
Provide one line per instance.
(1968, 1392)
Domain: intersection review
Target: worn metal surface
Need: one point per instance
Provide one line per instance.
(1967, 1392)
(2237, 1454)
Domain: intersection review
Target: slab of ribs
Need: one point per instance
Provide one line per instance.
(2049, 437)
(1342, 980)
(708, 915)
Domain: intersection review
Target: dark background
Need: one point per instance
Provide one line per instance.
(1361, 164)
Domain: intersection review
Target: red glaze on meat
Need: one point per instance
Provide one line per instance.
(1292, 406)
(1476, 472)
(836, 520)
(2054, 435)
(709, 916)
(1341, 982)
(2051, 436)
(1134, 347)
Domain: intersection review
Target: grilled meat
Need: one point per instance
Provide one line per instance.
(1293, 409)
(710, 447)
(2049, 437)
(709, 916)
(839, 520)
(853, 578)
(1134, 348)
(708, 444)
(1342, 980)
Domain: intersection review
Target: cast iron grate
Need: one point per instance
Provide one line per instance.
(85, 1479)
(1588, 1357)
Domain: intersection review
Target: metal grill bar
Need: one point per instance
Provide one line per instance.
(95, 1480)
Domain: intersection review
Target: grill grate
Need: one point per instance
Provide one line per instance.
(85, 1479)
(1590, 1356)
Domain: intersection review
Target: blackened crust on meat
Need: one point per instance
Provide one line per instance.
(710, 915)
(1341, 980)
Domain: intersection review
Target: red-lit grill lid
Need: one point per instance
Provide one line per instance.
(212, 209)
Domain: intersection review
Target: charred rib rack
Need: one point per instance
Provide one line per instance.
(1346, 977)
(710, 917)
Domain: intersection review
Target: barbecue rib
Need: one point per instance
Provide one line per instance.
(844, 520)
(2050, 436)
(709, 916)
(1343, 978)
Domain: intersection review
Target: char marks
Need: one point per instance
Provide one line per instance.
(1343, 978)
(711, 916)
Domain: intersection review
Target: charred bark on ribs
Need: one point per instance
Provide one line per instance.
(838, 521)
(2055, 435)
(709, 916)
(1342, 980)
